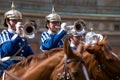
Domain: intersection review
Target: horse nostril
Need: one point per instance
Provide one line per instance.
(75, 74)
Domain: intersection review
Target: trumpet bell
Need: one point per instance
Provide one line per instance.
(31, 36)
(29, 29)
(78, 26)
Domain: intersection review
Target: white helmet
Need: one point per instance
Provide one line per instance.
(13, 14)
(92, 36)
(88, 35)
(74, 32)
(53, 16)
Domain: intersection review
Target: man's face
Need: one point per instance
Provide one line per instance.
(54, 26)
(13, 22)
(76, 39)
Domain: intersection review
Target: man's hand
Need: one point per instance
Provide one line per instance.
(19, 27)
(64, 26)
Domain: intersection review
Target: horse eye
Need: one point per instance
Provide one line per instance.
(75, 74)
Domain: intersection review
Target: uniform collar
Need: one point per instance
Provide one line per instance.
(72, 45)
(50, 32)
(11, 30)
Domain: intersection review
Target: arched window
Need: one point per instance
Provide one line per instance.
(117, 27)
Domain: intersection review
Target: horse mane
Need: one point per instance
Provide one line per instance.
(41, 70)
(36, 58)
(26, 62)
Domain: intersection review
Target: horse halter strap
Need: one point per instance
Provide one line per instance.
(65, 74)
(11, 75)
(65, 68)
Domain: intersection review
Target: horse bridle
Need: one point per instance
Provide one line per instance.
(64, 74)
(102, 66)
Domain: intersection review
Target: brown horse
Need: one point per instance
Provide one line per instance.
(72, 67)
(40, 67)
(102, 62)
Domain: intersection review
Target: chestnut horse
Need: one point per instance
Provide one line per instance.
(40, 67)
(72, 67)
(102, 62)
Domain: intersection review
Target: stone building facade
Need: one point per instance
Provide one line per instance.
(102, 15)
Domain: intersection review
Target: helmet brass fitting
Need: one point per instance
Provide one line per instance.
(13, 14)
(53, 16)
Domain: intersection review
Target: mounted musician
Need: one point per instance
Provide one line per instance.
(53, 37)
(77, 33)
(14, 47)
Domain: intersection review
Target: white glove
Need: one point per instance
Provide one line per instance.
(64, 26)
(82, 32)
(19, 27)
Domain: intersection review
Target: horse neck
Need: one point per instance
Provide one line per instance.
(111, 63)
(87, 56)
(102, 63)
(104, 54)
(43, 70)
(56, 70)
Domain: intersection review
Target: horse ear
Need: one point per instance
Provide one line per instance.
(105, 40)
(80, 47)
(66, 47)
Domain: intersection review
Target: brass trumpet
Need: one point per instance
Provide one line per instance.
(78, 27)
(29, 29)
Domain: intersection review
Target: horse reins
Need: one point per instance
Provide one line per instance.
(65, 73)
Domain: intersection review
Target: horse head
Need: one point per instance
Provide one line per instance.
(102, 62)
(101, 48)
(67, 62)
(72, 65)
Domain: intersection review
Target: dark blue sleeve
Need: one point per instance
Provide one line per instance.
(9, 48)
(49, 43)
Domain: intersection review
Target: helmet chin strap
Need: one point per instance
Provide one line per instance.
(9, 25)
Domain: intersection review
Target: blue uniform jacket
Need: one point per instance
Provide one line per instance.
(9, 47)
(49, 41)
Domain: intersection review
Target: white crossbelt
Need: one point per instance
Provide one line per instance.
(12, 58)
(17, 58)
